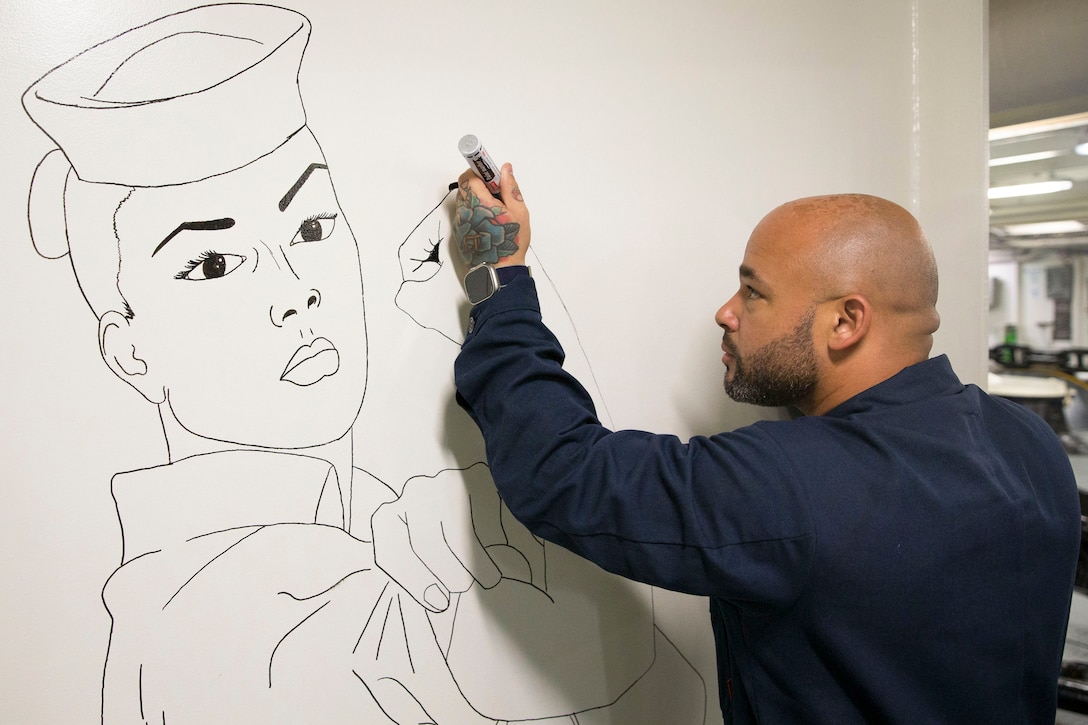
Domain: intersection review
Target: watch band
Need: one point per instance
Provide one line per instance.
(507, 275)
(484, 280)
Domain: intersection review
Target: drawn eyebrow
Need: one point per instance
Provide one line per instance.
(298, 185)
(210, 225)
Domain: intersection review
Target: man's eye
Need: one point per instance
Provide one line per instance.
(752, 294)
(210, 265)
(315, 229)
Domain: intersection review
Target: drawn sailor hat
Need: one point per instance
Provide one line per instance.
(182, 98)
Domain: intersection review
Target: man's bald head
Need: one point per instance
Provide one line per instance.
(861, 241)
(862, 244)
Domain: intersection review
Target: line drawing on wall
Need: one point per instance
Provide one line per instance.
(265, 575)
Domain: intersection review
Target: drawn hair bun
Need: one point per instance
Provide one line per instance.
(45, 208)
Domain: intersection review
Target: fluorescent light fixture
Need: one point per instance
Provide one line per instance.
(1038, 187)
(1046, 125)
(1069, 226)
(1023, 158)
(1081, 149)
(1046, 242)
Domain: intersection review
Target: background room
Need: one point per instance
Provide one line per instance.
(1038, 260)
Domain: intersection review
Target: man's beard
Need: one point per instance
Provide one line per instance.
(782, 372)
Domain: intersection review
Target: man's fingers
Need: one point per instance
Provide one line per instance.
(517, 210)
(508, 186)
(470, 183)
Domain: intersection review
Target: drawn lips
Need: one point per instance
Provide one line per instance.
(312, 362)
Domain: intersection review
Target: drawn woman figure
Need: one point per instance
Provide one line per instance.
(199, 217)
(198, 214)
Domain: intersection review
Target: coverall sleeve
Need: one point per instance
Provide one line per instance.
(720, 516)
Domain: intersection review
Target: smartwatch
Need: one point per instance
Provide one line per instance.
(484, 280)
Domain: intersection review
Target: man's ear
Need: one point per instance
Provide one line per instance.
(117, 343)
(853, 316)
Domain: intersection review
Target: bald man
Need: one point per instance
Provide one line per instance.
(856, 269)
(902, 553)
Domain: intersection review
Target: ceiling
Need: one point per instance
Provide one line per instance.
(1039, 105)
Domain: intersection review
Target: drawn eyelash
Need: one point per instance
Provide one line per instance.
(221, 265)
(194, 263)
(312, 229)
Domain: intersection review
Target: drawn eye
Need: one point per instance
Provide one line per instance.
(315, 229)
(210, 265)
(431, 258)
(421, 254)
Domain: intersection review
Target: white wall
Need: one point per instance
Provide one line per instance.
(648, 139)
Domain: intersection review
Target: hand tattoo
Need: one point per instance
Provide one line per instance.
(483, 234)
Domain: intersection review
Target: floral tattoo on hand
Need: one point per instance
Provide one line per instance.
(483, 234)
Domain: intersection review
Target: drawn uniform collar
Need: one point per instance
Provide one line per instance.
(211, 492)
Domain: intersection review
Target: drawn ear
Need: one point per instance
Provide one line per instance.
(116, 341)
(45, 207)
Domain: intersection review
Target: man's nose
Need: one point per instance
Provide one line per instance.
(726, 316)
(296, 304)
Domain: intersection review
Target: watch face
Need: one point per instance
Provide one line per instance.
(480, 283)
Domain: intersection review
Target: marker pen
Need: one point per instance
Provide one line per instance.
(480, 162)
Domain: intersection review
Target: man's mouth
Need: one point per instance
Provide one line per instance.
(728, 354)
(312, 362)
